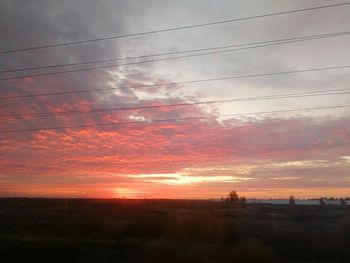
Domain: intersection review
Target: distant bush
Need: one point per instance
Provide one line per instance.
(292, 200)
(242, 200)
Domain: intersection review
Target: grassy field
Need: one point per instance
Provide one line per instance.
(74, 230)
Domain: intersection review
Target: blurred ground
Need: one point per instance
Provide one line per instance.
(88, 230)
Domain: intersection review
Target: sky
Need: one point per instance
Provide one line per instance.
(305, 153)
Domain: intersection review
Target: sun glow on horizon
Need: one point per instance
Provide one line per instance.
(186, 179)
(122, 192)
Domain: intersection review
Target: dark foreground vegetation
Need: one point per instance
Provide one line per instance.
(52, 230)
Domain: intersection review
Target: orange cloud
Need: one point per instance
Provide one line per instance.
(197, 158)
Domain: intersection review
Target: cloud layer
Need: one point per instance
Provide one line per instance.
(262, 155)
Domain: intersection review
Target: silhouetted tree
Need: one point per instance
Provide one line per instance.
(233, 196)
(292, 200)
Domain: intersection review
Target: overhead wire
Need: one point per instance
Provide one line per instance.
(173, 28)
(274, 41)
(256, 98)
(169, 120)
(177, 83)
(150, 61)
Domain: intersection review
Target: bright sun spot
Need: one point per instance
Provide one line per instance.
(126, 192)
(183, 179)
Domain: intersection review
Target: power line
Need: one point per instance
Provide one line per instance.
(149, 61)
(173, 28)
(170, 120)
(300, 38)
(177, 83)
(266, 97)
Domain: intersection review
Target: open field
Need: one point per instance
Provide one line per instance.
(79, 230)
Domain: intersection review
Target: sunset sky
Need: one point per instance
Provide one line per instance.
(265, 155)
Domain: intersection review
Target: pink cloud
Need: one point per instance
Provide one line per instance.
(94, 160)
